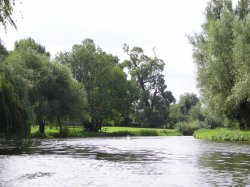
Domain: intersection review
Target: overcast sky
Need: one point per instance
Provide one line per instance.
(163, 24)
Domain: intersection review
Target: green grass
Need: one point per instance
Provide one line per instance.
(140, 131)
(106, 132)
(222, 134)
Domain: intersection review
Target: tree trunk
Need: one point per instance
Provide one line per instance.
(141, 82)
(60, 124)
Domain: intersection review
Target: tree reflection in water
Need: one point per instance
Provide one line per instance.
(230, 168)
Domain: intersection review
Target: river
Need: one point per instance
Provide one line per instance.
(128, 161)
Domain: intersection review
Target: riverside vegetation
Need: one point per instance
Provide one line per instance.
(222, 134)
(77, 131)
(91, 86)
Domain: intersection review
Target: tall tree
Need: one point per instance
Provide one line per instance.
(220, 53)
(154, 101)
(58, 96)
(105, 82)
(30, 44)
(53, 92)
(15, 111)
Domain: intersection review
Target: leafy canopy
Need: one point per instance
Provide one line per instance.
(221, 53)
(154, 99)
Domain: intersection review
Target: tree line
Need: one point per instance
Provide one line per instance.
(85, 84)
(88, 85)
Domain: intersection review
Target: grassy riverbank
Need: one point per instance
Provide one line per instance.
(106, 132)
(222, 134)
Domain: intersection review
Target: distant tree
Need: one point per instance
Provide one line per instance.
(30, 44)
(3, 52)
(196, 112)
(187, 101)
(106, 86)
(154, 100)
(175, 115)
(187, 109)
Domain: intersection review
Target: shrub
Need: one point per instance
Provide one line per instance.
(213, 122)
(188, 128)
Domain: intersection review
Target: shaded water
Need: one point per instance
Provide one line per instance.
(140, 161)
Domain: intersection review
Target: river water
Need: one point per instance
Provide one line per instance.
(139, 161)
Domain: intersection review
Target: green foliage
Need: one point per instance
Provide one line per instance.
(6, 12)
(215, 8)
(188, 128)
(222, 134)
(30, 44)
(215, 122)
(3, 52)
(242, 9)
(196, 113)
(109, 94)
(187, 101)
(175, 115)
(221, 53)
(53, 92)
(64, 96)
(154, 100)
(15, 111)
(188, 109)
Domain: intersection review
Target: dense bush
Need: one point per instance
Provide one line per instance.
(188, 128)
(213, 122)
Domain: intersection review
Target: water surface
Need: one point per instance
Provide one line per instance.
(140, 161)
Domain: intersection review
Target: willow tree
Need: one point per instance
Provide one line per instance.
(15, 111)
(221, 53)
(53, 92)
(6, 12)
